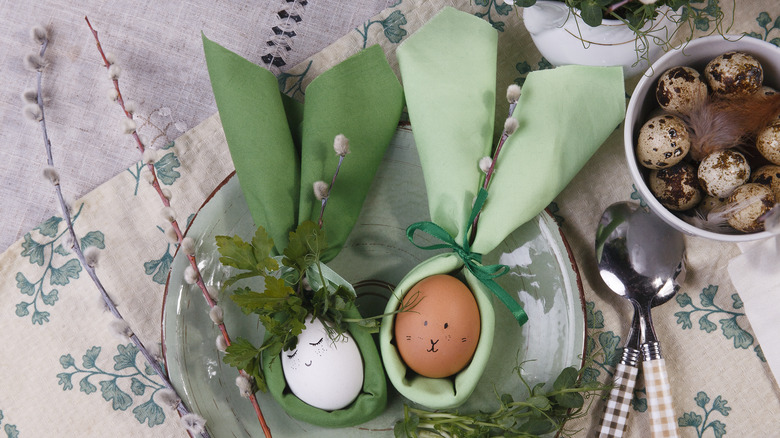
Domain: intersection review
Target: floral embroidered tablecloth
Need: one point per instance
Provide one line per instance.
(64, 374)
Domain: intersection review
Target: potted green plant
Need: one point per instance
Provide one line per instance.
(630, 33)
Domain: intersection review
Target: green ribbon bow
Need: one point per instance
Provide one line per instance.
(472, 260)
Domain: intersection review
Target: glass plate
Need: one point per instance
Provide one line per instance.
(376, 256)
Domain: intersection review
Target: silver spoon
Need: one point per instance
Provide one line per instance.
(640, 258)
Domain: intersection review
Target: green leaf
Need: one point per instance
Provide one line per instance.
(236, 253)
(126, 356)
(67, 361)
(306, 244)
(720, 405)
(40, 317)
(50, 227)
(262, 245)
(701, 399)
(566, 379)
(539, 402)
(137, 386)
(89, 358)
(93, 238)
(240, 353)
(683, 299)
(62, 275)
(689, 419)
(85, 386)
(33, 250)
(50, 298)
(707, 325)
(763, 19)
(392, 27)
(21, 309)
(718, 428)
(150, 412)
(537, 426)
(707, 295)
(732, 330)
(165, 168)
(24, 285)
(570, 400)
(119, 399)
(591, 12)
(65, 381)
(684, 318)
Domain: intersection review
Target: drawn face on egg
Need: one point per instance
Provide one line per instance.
(322, 372)
(438, 336)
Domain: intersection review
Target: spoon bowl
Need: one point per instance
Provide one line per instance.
(640, 258)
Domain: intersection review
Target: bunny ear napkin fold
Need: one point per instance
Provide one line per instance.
(280, 148)
(448, 68)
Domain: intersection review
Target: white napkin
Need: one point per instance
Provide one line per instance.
(755, 275)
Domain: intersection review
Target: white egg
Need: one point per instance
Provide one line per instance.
(723, 171)
(323, 372)
(768, 142)
(754, 200)
(663, 142)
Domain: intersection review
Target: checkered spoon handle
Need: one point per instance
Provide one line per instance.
(613, 423)
(659, 399)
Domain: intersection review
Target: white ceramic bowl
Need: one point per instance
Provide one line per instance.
(695, 54)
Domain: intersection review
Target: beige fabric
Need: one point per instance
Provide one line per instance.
(32, 401)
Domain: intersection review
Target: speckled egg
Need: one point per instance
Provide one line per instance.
(663, 142)
(768, 142)
(676, 188)
(721, 172)
(710, 203)
(769, 176)
(734, 74)
(767, 91)
(746, 219)
(680, 89)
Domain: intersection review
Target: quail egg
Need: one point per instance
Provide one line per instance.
(734, 74)
(676, 188)
(767, 91)
(680, 89)
(721, 172)
(663, 142)
(769, 176)
(768, 142)
(746, 219)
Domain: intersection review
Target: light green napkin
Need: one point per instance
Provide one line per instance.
(448, 70)
(278, 157)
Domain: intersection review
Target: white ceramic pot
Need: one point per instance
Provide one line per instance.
(563, 38)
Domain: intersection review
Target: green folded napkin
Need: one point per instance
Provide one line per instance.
(565, 114)
(280, 148)
(360, 98)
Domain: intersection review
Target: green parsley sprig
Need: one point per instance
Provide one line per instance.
(544, 411)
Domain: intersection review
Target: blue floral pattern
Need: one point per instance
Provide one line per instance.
(9, 429)
(391, 27)
(47, 249)
(116, 387)
(764, 20)
(701, 424)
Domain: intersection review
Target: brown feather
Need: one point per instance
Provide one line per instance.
(719, 123)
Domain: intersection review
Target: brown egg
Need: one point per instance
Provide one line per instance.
(758, 200)
(680, 89)
(734, 74)
(676, 187)
(438, 336)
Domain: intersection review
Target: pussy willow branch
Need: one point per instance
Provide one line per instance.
(76, 247)
(177, 229)
(491, 170)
